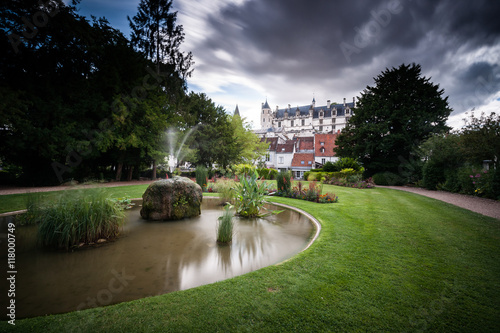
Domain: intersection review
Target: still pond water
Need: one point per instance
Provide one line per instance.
(149, 258)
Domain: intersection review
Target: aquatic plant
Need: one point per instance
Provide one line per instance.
(225, 226)
(77, 217)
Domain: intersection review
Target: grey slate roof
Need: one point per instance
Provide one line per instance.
(304, 110)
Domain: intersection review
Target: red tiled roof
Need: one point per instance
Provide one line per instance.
(287, 147)
(272, 143)
(305, 143)
(328, 144)
(303, 159)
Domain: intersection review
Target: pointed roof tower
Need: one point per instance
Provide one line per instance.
(266, 105)
(237, 111)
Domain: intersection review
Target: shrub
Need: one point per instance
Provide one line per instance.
(273, 174)
(388, 178)
(263, 173)
(348, 163)
(225, 226)
(202, 177)
(244, 169)
(284, 181)
(250, 196)
(330, 167)
(433, 174)
(225, 188)
(78, 217)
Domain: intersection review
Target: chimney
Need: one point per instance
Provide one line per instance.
(344, 101)
(289, 106)
(328, 103)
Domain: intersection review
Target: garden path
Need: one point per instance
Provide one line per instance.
(479, 205)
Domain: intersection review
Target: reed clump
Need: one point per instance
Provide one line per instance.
(75, 217)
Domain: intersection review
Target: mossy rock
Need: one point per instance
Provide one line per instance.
(171, 199)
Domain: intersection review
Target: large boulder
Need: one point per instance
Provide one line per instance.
(171, 199)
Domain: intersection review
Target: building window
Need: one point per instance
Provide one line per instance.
(333, 127)
(303, 122)
(346, 119)
(323, 161)
(302, 162)
(264, 120)
(291, 123)
(321, 128)
(279, 123)
(268, 158)
(322, 143)
(321, 121)
(333, 120)
(322, 149)
(281, 160)
(309, 162)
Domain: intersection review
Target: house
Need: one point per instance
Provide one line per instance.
(324, 145)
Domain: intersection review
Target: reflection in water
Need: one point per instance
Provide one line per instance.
(149, 258)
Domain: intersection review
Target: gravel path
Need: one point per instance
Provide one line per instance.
(483, 206)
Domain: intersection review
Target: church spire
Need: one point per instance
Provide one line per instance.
(237, 111)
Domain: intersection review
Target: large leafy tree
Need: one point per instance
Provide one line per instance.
(214, 134)
(156, 34)
(392, 118)
(250, 148)
(481, 138)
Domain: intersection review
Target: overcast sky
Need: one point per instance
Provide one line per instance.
(291, 50)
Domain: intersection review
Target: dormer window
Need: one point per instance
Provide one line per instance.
(322, 143)
(322, 149)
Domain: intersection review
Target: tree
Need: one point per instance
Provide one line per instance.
(392, 118)
(155, 33)
(250, 148)
(481, 138)
(214, 135)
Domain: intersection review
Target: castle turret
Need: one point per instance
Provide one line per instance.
(265, 116)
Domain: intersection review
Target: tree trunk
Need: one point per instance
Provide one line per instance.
(130, 171)
(153, 175)
(119, 168)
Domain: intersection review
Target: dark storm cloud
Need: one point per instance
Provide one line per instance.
(316, 39)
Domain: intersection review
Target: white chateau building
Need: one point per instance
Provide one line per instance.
(304, 120)
(302, 138)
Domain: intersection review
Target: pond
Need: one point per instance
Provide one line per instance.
(149, 258)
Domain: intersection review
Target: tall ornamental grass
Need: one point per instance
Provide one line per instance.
(225, 226)
(77, 217)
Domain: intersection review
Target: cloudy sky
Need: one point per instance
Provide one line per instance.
(290, 51)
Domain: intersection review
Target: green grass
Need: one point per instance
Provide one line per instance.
(385, 260)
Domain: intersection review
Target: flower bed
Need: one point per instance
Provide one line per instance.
(309, 193)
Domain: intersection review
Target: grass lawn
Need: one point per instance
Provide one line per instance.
(385, 260)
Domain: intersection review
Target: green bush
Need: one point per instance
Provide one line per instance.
(265, 173)
(433, 174)
(225, 188)
(388, 179)
(284, 182)
(330, 167)
(202, 177)
(244, 169)
(348, 163)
